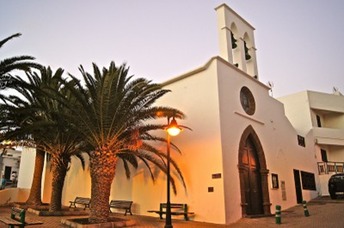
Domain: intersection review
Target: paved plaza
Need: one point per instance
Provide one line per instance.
(324, 212)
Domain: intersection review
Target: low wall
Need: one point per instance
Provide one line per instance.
(324, 184)
(10, 195)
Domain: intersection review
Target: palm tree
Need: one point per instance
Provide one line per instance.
(23, 62)
(35, 195)
(113, 115)
(62, 142)
(38, 116)
(10, 121)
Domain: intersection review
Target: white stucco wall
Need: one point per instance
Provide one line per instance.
(201, 157)
(27, 166)
(325, 101)
(276, 134)
(210, 97)
(230, 22)
(303, 108)
(297, 109)
(336, 153)
(324, 184)
(331, 106)
(197, 96)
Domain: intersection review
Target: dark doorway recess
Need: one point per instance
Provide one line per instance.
(298, 189)
(253, 175)
(8, 170)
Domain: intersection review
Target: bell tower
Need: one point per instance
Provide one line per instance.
(236, 40)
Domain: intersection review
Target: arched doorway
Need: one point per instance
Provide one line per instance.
(253, 175)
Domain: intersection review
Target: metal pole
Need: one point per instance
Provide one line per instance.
(278, 215)
(168, 223)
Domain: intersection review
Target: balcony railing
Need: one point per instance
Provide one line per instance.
(330, 167)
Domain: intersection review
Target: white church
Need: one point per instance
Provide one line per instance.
(247, 151)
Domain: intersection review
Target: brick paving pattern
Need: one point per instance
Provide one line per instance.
(324, 212)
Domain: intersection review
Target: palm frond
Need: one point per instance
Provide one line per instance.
(2, 42)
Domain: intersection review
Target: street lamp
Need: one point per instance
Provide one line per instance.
(172, 130)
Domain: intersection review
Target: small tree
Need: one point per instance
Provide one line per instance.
(113, 114)
(34, 115)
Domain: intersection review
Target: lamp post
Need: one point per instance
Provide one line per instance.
(172, 130)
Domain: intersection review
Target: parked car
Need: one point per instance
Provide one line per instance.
(336, 185)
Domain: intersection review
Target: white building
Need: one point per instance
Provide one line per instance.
(9, 163)
(21, 162)
(243, 156)
(320, 117)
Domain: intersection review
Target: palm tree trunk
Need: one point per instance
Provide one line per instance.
(35, 197)
(102, 168)
(59, 169)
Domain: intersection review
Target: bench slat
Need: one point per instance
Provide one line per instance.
(172, 212)
(121, 204)
(9, 221)
(81, 200)
(18, 215)
(174, 206)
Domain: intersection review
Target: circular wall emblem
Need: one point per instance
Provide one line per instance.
(247, 101)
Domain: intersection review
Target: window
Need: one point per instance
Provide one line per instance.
(247, 101)
(324, 155)
(318, 121)
(301, 140)
(308, 181)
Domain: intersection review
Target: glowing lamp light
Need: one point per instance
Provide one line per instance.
(173, 129)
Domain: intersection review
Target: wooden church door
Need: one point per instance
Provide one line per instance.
(252, 180)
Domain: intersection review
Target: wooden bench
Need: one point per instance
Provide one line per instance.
(121, 204)
(176, 209)
(17, 218)
(80, 200)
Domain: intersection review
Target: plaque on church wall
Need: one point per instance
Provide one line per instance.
(216, 176)
(284, 193)
(274, 181)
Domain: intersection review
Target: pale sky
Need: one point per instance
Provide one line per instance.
(299, 42)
